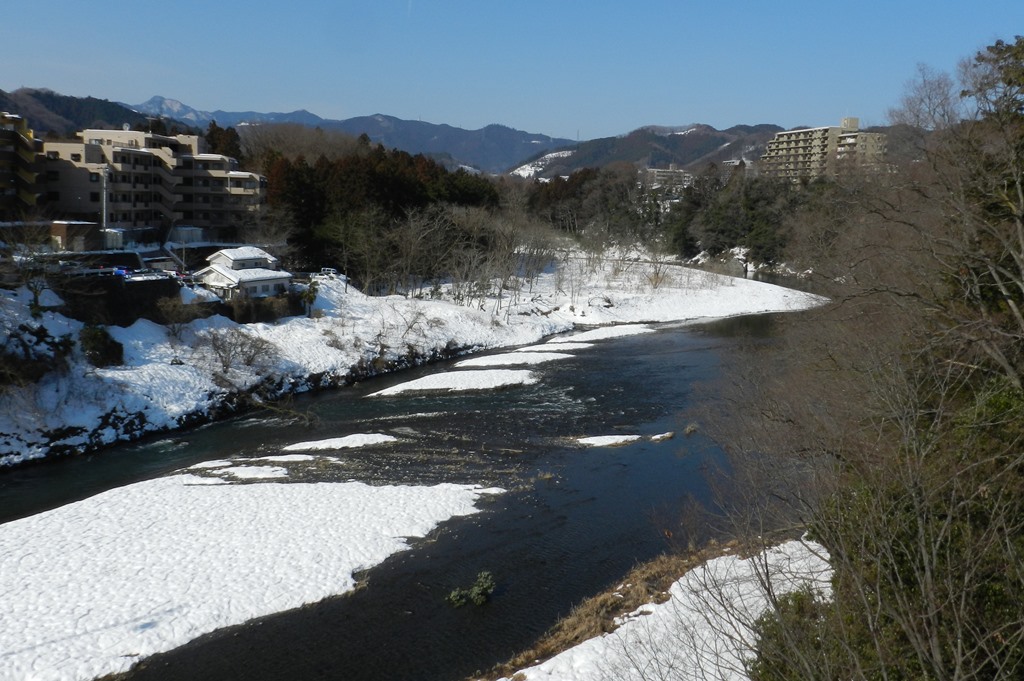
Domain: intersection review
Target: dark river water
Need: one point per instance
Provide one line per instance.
(574, 521)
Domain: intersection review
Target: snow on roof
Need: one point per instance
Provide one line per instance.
(248, 276)
(243, 253)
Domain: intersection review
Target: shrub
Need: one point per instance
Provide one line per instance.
(99, 347)
(478, 594)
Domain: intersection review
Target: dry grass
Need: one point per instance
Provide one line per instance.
(646, 583)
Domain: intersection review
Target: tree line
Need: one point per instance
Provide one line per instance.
(889, 425)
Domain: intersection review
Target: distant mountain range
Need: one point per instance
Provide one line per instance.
(172, 108)
(493, 149)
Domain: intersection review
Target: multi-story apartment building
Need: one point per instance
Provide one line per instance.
(816, 152)
(19, 148)
(669, 179)
(130, 178)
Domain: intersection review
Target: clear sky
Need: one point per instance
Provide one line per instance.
(566, 68)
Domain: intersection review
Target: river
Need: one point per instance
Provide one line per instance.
(574, 521)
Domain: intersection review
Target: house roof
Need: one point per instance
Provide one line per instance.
(247, 276)
(244, 253)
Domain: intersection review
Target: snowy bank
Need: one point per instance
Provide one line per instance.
(92, 587)
(209, 368)
(702, 631)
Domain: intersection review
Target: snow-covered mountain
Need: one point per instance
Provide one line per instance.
(172, 108)
(493, 149)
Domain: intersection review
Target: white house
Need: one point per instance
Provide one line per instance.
(244, 271)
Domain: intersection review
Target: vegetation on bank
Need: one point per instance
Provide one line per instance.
(897, 417)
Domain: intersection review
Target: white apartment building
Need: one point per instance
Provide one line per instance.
(131, 178)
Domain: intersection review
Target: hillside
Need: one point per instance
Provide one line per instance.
(49, 112)
(656, 147)
(174, 109)
(492, 149)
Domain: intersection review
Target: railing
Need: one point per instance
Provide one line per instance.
(27, 197)
(26, 176)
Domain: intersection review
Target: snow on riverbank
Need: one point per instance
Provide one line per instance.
(171, 378)
(702, 631)
(94, 586)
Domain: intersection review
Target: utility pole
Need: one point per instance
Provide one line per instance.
(103, 197)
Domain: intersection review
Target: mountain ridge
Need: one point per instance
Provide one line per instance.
(495, 148)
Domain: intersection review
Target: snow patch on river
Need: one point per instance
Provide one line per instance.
(93, 586)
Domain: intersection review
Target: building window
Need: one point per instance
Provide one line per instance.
(76, 157)
(94, 197)
(52, 175)
(53, 155)
(94, 177)
(53, 196)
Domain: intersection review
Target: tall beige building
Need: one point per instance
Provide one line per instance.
(131, 178)
(822, 152)
(19, 188)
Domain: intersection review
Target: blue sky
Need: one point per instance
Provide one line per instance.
(566, 68)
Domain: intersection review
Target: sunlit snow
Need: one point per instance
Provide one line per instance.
(348, 441)
(93, 586)
(603, 334)
(253, 472)
(512, 359)
(607, 440)
(456, 381)
(702, 633)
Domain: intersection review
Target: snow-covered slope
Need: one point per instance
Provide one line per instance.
(169, 380)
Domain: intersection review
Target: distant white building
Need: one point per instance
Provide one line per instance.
(244, 271)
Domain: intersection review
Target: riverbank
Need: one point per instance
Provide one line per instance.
(177, 377)
(687, 616)
(101, 624)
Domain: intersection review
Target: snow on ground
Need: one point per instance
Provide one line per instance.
(287, 458)
(346, 442)
(701, 632)
(173, 374)
(530, 170)
(563, 346)
(607, 440)
(512, 359)
(253, 472)
(93, 586)
(456, 381)
(604, 333)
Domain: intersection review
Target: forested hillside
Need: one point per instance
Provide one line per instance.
(48, 111)
(658, 147)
